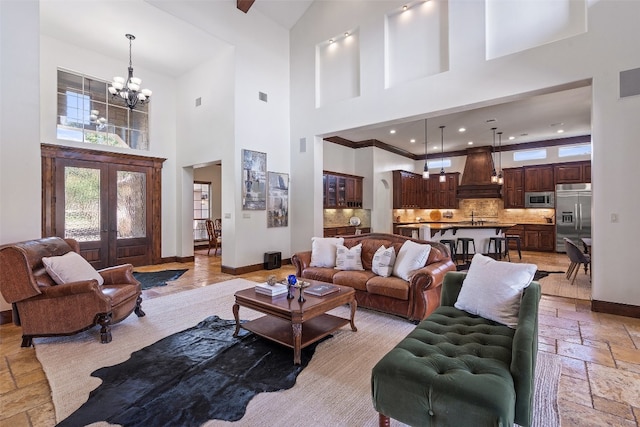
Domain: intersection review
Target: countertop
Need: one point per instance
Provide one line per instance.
(458, 225)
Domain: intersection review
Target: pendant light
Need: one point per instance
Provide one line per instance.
(425, 171)
(442, 177)
(494, 175)
(500, 177)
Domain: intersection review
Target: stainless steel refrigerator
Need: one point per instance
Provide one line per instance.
(573, 213)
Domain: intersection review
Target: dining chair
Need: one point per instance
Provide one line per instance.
(577, 258)
(214, 233)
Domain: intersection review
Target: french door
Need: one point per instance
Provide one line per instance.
(107, 206)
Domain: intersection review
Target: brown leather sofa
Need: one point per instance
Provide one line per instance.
(43, 308)
(414, 300)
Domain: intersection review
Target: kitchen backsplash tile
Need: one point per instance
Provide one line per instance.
(483, 209)
(340, 217)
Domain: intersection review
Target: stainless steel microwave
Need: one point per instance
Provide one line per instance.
(541, 199)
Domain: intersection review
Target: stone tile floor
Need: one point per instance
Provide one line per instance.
(599, 385)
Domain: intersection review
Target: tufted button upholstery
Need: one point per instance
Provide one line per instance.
(457, 369)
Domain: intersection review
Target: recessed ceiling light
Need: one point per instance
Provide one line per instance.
(413, 141)
(347, 34)
(470, 143)
(556, 124)
(330, 40)
(404, 7)
(560, 131)
(392, 131)
(461, 130)
(435, 147)
(524, 134)
(491, 120)
(511, 138)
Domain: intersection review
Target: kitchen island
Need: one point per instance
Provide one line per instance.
(479, 231)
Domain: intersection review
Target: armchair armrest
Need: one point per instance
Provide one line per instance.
(451, 286)
(118, 275)
(524, 352)
(73, 288)
(301, 260)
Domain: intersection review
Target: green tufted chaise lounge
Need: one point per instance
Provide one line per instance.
(458, 369)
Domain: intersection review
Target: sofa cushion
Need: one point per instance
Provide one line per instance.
(70, 267)
(383, 261)
(369, 248)
(322, 274)
(349, 258)
(411, 257)
(323, 251)
(392, 287)
(356, 279)
(493, 289)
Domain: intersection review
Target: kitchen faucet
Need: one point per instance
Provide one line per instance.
(472, 221)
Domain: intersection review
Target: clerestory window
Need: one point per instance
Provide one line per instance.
(88, 113)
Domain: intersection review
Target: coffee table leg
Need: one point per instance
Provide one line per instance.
(297, 342)
(353, 305)
(236, 315)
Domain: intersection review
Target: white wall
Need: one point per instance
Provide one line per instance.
(20, 187)
(609, 46)
(260, 64)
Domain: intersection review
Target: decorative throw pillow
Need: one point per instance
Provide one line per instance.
(70, 267)
(383, 261)
(323, 251)
(349, 259)
(493, 289)
(411, 256)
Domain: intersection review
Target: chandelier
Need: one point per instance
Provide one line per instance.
(129, 90)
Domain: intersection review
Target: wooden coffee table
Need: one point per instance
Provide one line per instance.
(285, 318)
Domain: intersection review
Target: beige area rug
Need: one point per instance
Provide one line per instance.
(333, 390)
(557, 284)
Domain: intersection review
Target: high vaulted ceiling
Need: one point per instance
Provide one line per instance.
(99, 25)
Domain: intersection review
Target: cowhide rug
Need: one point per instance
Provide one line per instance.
(187, 378)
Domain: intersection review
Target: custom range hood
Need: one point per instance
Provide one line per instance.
(476, 178)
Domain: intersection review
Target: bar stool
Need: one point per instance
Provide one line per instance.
(465, 246)
(452, 247)
(497, 247)
(515, 238)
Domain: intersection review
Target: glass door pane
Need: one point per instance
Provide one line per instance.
(131, 204)
(82, 204)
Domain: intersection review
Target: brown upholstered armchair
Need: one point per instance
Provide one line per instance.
(43, 308)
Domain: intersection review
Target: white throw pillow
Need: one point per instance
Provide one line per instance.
(70, 267)
(493, 289)
(383, 261)
(349, 258)
(411, 257)
(323, 251)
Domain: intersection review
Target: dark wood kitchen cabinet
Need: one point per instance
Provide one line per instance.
(408, 189)
(539, 178)
(443, 194)
(572, 173)
(341, 190)
(539, 237)
(513, 188)
(411, 191)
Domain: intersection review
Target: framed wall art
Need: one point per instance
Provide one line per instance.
(254, 180)
(278, 200)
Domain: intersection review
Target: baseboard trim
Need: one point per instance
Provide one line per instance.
(615, 308)
(6, 317)
(176, 259)
(236, 271)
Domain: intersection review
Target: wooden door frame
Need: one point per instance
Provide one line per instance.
(51, 153)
